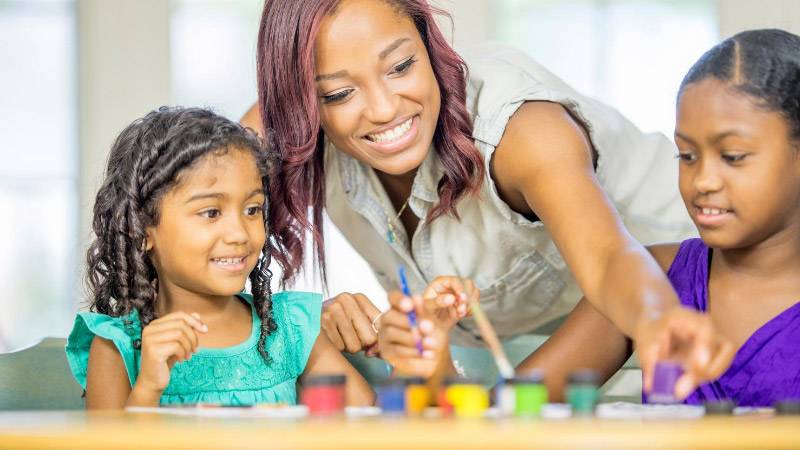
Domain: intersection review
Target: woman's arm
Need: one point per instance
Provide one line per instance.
(252, 119)
(325, 359)
(544, 165)
(586, 340)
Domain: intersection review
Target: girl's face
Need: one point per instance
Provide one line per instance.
(211, 229)
(378, 97)
(739, 169)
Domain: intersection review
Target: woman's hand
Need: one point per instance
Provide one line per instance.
(350, 322)
(687, 337)
(165, 341)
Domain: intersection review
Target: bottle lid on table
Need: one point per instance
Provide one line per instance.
(324, 380)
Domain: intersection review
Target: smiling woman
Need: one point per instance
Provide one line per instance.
(488, 167)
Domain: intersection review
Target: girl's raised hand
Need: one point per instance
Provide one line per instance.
(398, 340)
(165, 341)
(687, 337)
(447, 299)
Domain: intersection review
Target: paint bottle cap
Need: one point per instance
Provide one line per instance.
(584, 376)
(535, 377)
(393, 383)
(324, 380)
(787, 407)
(462, 380)
(722, 407)
(414, 380)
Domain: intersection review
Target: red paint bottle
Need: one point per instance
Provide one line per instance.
(324, 395)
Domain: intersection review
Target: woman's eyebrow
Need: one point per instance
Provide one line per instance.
(392, 47)
(382, 55)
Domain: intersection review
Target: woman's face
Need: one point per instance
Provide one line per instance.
(739, 170)
(378, 96)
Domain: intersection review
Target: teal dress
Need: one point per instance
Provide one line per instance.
(234, 375)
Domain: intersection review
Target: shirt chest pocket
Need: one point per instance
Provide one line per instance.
(514, 301)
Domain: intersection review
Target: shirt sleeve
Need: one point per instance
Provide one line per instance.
(122, 331)
(302, 311)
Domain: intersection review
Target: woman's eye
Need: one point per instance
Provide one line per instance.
(337, 96)
(733, 157)
(686, 157)
(210, 213)
(254, 210)
(403, 66)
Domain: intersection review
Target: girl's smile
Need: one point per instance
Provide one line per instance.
(709, 215)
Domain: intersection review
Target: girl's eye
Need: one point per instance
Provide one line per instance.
(733, 157)
(403, 66)
(337, 96)
(212, 213)
(686, 157)
(254, 210)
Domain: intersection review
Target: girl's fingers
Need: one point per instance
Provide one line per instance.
(426, 326)
(396, 319)
(163, 351)
(395, 336)
(178, 336)
(400, 351)
(192, 320)
(400, 302)
(443, 285)
(174, 325)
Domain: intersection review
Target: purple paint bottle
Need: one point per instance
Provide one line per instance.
(664, 379)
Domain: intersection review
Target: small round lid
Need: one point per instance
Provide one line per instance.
(324, 380)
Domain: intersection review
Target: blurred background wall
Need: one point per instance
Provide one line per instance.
(74, 72)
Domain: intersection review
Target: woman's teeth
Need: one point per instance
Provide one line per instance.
(393, 134)
(713, 211)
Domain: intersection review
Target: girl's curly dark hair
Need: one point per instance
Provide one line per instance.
(145, 162)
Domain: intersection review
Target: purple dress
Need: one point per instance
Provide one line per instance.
(766, 368)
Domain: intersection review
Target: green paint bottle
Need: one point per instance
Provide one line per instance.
(583, 392)
(530, 394)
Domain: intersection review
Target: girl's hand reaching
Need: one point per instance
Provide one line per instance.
(165, 341)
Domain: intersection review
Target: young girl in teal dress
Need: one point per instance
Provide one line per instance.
(180, 227)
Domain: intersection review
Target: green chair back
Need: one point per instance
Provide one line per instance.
(38, 378)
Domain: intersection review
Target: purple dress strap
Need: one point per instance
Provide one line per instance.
(766, 368)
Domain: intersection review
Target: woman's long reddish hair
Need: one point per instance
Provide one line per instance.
(290, 116)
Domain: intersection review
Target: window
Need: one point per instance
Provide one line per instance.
(38, 176)
(631, 55)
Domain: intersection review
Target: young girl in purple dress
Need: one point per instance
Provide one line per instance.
(738, 136)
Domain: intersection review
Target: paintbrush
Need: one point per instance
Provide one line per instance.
(488, 334)
(490, 337)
